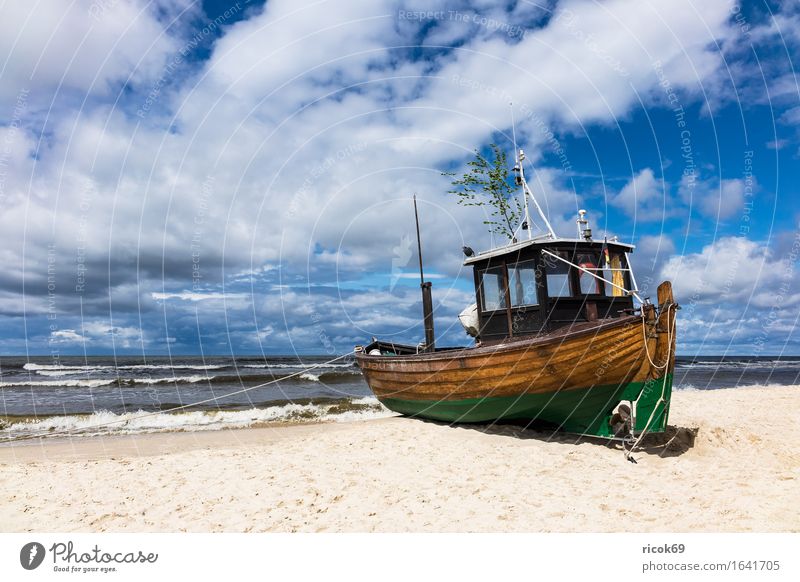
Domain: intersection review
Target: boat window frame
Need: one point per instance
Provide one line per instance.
(597, 270)
(504, 286)
(567, 255)
(535, 267)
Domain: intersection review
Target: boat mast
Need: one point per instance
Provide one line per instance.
(427, 300)
(519, 157)
(526, 191)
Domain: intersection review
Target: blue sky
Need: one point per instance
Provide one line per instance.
(236, 177)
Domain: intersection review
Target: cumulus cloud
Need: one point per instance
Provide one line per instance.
(717, 198)
(644, 197)
(83, 48)
(729, 269)
(192, 296)
(66, 336)
(738, 292)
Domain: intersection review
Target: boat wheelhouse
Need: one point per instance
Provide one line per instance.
(538, 286)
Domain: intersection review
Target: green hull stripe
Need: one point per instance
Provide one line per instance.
(584, 411)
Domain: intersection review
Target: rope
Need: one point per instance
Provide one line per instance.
(670, 333)
(171, 410)
(669, 337)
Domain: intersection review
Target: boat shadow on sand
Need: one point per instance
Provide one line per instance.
(673, 442)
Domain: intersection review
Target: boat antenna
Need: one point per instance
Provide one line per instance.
(519, 156)
(427, 300)
(526, 225)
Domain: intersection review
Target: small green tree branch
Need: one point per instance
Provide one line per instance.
(487, 183)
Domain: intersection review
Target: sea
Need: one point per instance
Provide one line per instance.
(89, 396)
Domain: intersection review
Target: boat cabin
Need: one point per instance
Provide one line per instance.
(537, 286)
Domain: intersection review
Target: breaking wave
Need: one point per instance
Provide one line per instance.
(49, 369)
(98, 382)
(59, 383)
(739, 365)
(61, 373)
(196, 420)
(322, 377)
(688, 387)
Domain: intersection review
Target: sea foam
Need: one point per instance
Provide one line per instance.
(196, 420)
(98, 382)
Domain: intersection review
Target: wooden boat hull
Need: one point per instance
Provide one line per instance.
(572, 379)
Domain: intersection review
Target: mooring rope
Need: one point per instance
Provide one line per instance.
(171, 410)
(670, 334)
(670, 330)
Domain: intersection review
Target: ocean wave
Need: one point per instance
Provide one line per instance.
(98, 382)
(740, 365)
(324, 377)
(169, 380)
(148, 422)
(336, 377)
(58, 383)
(316, 375)
(60, 373)
(50, 369)
(36, 367)
(173, 367)
(299, 366)
(688, 387)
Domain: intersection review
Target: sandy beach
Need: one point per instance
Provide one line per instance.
(740, 474)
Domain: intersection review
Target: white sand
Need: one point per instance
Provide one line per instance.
(398, 474)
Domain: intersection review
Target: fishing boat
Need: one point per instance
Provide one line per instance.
(562, 338)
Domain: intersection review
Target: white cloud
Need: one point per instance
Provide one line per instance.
(66, 336)
(99, 333)
(644, 197)
(777, 144)
(192, 296)
(716, 198)
(240, 123)
(736, 294)
(728, 201)
(730, 269)
(88, 46)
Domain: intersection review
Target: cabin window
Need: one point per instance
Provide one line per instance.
(522, 282)
(493, 289)
(557, 276)
(615, 270)
(589, 285)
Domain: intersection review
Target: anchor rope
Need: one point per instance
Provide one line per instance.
(171, 410)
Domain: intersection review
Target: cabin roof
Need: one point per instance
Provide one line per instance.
(542, 242)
